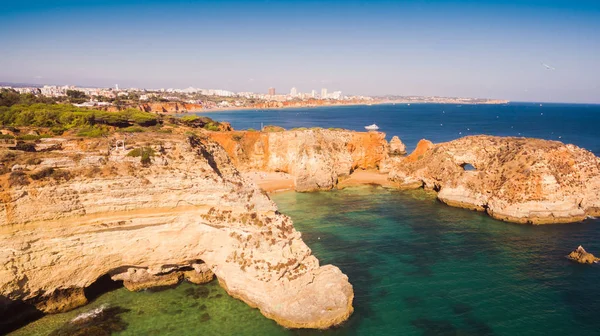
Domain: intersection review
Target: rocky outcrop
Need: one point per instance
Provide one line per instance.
(513, 179)
(397, 147)
(316, 158)
(185, 213)
(581, 256)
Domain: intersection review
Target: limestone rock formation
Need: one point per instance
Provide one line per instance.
(581, 256)
(315, 157)
(96, 211)
(397, 147)
(513, 179)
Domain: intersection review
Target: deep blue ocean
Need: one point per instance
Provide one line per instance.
(418, 267)
(576, 124)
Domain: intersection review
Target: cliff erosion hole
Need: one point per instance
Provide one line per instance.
(103, 284)
(468, 167)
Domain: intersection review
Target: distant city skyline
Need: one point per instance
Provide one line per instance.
(529, 50)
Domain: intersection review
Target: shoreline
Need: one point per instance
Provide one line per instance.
(276, 182)
(232, 109)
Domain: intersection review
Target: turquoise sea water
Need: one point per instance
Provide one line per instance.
(418, 267)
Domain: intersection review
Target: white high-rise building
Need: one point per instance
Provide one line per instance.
(293, 92)
(313, 93)
(323, 93)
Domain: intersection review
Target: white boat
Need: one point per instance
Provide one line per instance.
(372, 127)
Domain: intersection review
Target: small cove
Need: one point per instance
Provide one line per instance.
(417, 267)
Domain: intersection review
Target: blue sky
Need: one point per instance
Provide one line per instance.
(458, 48)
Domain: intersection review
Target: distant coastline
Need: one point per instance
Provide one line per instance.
(244, 108)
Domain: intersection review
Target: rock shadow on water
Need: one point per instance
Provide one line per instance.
(435, 327)
(476, 326)
(413, 301)
(205, 317)
(98, 322)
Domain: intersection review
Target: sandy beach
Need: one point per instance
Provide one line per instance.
(362, 177)
(271, 181)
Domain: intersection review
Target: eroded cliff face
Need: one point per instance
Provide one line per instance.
(187, 212)
(163, 107)
(513, 179)
(316, 158)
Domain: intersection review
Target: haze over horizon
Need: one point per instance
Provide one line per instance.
(486, 49)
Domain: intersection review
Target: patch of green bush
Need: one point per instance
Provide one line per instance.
(189, 118)
(131, 129)
(211, 127)
(32, 137)
(92, 132)
(138, 152)
(55, 174)
(6, 136)
(18, 178)
(67, 116)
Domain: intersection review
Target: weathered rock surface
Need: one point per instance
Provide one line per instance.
(514, 179)
(315, 157)
(190, 207)
(581, 256)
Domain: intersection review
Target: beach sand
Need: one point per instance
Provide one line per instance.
(271, 181)
(362, 177)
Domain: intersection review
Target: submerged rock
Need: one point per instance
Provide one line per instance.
(581, 256)
(103, 320)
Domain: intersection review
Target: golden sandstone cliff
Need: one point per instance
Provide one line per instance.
(86, 209)
(172, 207)
(518, 180)
(315, 158)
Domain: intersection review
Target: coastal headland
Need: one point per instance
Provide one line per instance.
(518, 180)
(156, 200)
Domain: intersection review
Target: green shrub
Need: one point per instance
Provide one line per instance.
(189, 118)
(145, 159)
(140, 151)
(251, 130)
(25, 146)
(131, 129)
(211, 127)
(58, 130)
(18, 178)
(92, 132)
(55, 174)
(29, 137)
(33, 161)
(6, 136)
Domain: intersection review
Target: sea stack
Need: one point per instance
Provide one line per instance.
(581, 256)
(397, 147)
